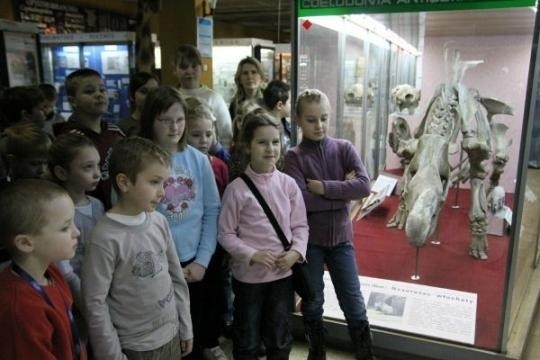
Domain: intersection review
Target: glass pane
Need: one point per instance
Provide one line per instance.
(317, 66)
(22, 58)
(225, 61)
(453, 93)
(112, 62)
(65, 59)
(267, 62)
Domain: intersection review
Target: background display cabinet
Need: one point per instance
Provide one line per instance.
(434, 96)
(19, 59)
(109, 53)
(282, 61)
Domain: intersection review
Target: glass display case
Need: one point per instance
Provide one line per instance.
(19, 60)
(282, 62)
(227, 53)
(468, 72)
(357, 68)
(111, 54)
(265, 54)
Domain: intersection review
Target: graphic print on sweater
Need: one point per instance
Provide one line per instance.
(148, 264)
(179, 194)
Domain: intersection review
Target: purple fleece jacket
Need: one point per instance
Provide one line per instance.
(328, 160)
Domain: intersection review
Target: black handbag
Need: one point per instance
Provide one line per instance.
(300, 276)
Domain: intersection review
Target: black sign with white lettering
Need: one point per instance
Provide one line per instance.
(57, 18)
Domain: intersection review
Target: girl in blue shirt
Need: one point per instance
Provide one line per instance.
(191, 204)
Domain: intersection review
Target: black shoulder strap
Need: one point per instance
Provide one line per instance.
(267, 210)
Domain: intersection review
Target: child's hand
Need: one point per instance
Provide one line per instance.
(186, 346)
(194, 272)
(315, 186)
(265, 258)
(350, 175)
(286, 259)
(76, 131)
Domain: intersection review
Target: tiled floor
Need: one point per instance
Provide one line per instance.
(299, 352)
(532, 351)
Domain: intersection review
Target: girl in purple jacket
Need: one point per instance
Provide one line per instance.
(330, 174)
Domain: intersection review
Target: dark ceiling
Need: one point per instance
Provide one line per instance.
(273, 16)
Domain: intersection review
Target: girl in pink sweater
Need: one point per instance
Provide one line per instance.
(260, 266)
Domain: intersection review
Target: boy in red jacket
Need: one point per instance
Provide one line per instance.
(36, 218)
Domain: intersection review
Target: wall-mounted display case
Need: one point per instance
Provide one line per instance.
(282, 62)
(435, 299)
(111, 54)
(227, 53)
(19, 59)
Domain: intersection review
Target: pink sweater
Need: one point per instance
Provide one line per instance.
(244, 228)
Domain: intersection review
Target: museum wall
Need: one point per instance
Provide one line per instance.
(503, 76)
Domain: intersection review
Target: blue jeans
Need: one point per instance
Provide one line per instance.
(262, 310)
(341, 263)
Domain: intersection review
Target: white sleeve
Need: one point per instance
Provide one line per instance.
(223, 120)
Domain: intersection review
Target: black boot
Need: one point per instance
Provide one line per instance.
(314, 331)
(361, 339)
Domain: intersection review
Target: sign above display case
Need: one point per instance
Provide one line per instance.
(55, 17)
(342, 7)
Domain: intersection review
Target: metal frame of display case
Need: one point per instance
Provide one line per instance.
(411, 346)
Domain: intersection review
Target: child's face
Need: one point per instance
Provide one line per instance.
(37, 114)
(189, 75)
(147, 191)
(140, 94)
(169, 126)
(285, 108)
(250, 79)
(58, 238)
(264, 149)
(29, 167)
(91, 97)
(84, 171)
(49, 109)
(201, 135)
(313, 119)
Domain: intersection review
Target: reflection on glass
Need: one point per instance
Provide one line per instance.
(357, 61)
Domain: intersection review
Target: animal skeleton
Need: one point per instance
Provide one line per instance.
(428, 174)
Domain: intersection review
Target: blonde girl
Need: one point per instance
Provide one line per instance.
(250, 81)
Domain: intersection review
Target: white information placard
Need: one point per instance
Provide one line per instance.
(384, 185)
(205, 36)
(420, 309)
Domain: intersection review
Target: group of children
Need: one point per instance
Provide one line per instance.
(132, 231)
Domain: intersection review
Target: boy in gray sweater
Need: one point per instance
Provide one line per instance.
(136, 299)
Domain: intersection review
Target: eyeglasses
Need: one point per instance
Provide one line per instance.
(170, 121)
